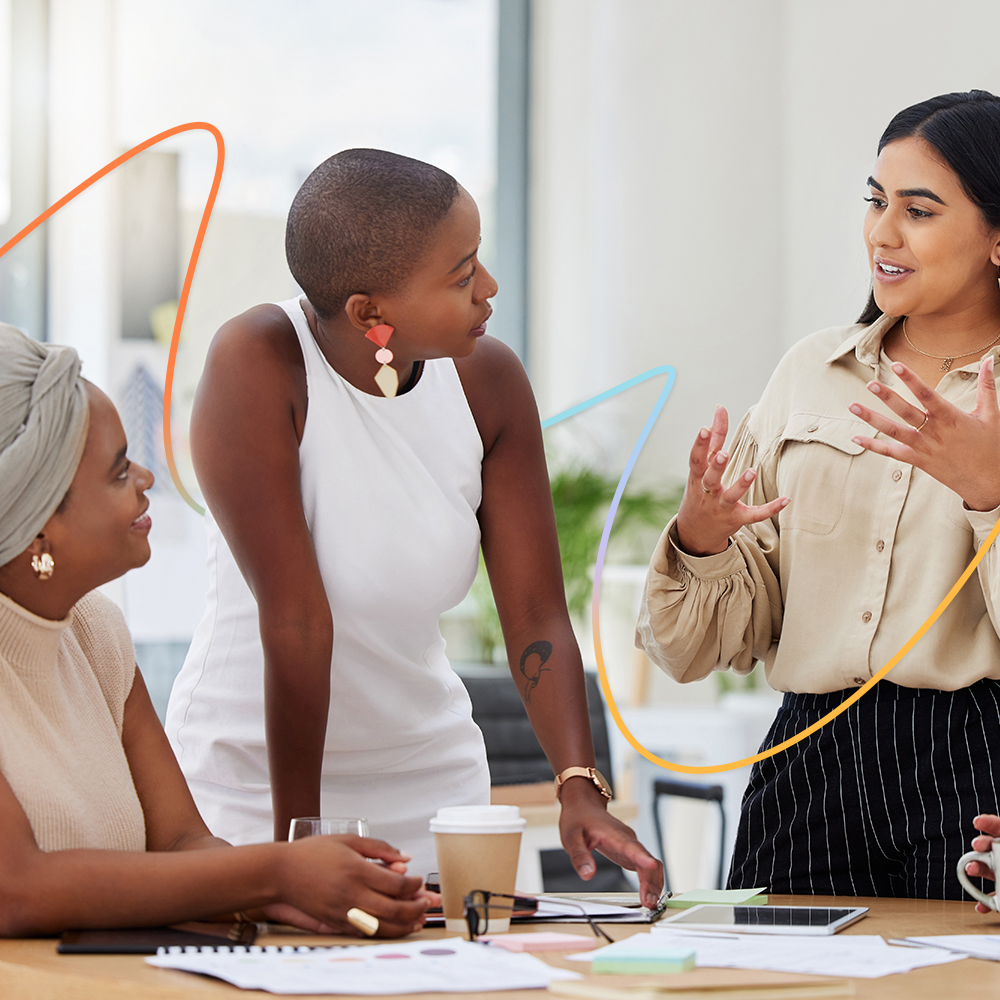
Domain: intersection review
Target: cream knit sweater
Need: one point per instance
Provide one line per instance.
(63, 687)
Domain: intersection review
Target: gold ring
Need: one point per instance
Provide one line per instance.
(364, 922)
(703, 490)
(927, 417)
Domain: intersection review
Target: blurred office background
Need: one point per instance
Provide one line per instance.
(661, 183)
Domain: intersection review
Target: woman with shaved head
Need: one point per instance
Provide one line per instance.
(357, 446)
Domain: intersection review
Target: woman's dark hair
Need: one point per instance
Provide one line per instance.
(362, 222)
(964, 129)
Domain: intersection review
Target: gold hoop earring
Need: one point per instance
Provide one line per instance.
(43, 565)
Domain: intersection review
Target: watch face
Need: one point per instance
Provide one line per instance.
(601, 783)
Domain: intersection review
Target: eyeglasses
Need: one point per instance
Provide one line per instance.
(480, 899)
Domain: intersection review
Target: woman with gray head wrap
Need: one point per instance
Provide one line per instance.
(43, 427)
(97, 826)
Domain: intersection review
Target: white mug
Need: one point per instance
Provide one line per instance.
(992, 861)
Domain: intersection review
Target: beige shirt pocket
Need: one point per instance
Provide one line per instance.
(816, 458)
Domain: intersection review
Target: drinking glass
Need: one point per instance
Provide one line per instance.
(316, 826)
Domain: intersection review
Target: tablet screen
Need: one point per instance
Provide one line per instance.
(767, 919)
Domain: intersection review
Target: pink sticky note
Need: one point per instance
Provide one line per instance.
(540, 941)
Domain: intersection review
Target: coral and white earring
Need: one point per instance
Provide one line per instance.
(385, 378)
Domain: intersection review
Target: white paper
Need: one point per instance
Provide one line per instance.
(449, 966)
(852, 955)
(973, 945)
(552, 906)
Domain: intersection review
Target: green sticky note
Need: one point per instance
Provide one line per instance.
(648, 961)
(724, 897)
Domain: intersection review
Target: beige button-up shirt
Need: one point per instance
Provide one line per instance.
(830, 589)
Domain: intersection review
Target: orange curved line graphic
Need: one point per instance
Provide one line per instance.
(192, 264)
(798, 737)
(595, 611)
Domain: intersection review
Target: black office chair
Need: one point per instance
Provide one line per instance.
(513, 750)
(516, 758)
(690, 790)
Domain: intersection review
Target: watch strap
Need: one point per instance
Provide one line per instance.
(590, 773)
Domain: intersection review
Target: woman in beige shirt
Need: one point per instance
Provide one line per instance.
(853, 497)
(97, 826)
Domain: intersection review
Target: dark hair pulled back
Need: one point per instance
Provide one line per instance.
(964, 129)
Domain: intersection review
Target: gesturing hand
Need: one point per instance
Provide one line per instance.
(709, 513)
(960, 450)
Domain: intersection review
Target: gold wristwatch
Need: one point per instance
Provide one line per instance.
(584, 772)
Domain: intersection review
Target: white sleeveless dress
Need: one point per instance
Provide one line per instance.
(390, 489)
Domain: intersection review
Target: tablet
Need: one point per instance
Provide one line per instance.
(145, 940)
(765, 919)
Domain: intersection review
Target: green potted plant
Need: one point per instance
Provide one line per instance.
(582, 497)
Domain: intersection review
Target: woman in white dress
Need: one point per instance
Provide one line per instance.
(349, 491)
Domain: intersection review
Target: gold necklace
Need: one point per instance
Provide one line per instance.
(947, 361)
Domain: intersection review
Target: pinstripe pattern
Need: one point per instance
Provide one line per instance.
(879, 802)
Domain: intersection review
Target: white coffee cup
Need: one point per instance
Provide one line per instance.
(992, 861)
(477, 848)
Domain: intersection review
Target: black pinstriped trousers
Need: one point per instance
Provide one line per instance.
(880, 801)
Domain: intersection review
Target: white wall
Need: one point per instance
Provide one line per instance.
(83, 293)
(417, 76)
(697, 177)
(849, 67)
(656, 140)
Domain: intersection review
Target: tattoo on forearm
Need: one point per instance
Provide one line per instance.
(531, 673)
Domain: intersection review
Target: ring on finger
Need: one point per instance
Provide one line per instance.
(705, 489)
(927, 417)
(364, 922)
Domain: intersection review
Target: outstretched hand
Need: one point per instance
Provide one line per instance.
(960, 450)
(711, 513)
(585, 825)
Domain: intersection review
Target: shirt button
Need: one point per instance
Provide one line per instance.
(965, 376)
(815, 427)
(866, 617)
(896, 476)
(859, 681)
(879, 545)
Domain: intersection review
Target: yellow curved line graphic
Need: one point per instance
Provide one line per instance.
(716, 768)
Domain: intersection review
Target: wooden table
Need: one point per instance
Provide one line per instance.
(30, 969)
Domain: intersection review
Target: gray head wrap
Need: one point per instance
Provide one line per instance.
(43, 428)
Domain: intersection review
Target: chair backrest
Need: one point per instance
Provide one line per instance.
(514, 753)
(690, 790)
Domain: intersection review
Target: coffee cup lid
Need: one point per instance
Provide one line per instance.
(478, 819)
